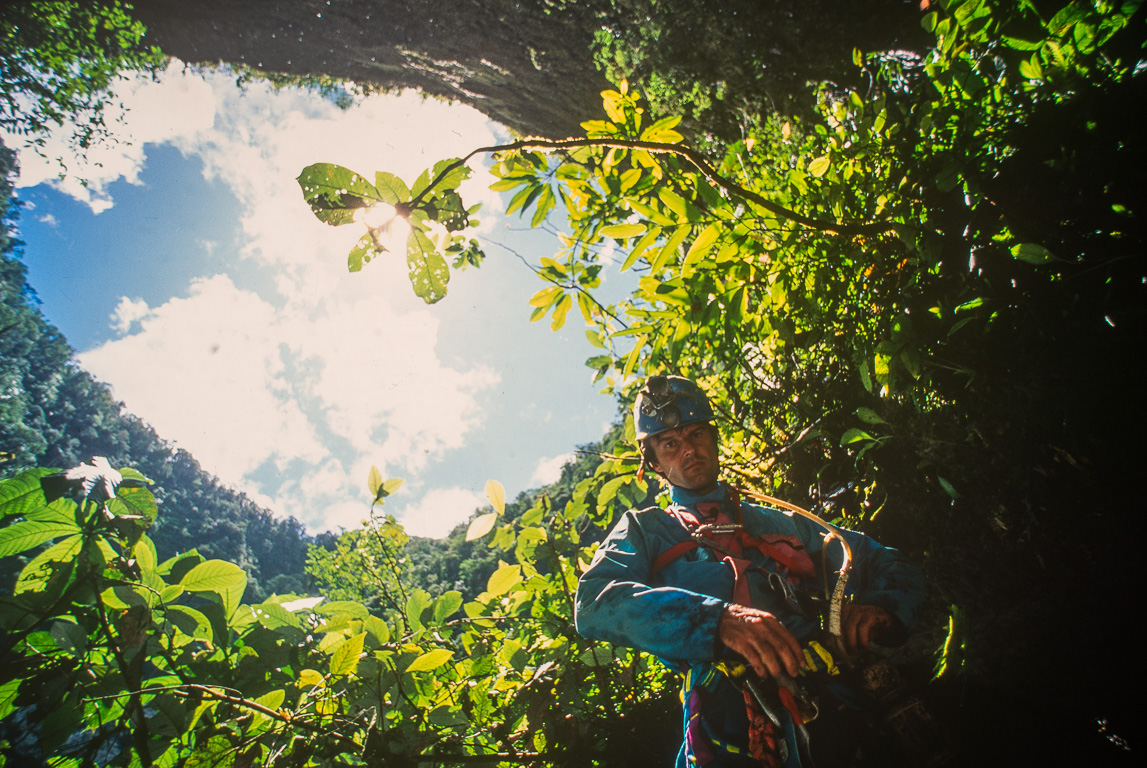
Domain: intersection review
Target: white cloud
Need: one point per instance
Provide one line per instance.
(128, 312)
(49, 219)
(206, 371)
(291, 391)
(175, 105)
(550, 470)
(436, 514)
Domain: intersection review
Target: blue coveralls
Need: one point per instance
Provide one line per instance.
(673, 614)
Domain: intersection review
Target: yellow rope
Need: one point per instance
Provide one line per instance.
(836, 601)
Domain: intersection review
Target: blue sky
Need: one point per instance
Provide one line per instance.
(189, 274)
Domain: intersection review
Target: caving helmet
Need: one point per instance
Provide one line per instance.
(668, 402)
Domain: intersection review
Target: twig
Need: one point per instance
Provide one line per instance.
(698, 162)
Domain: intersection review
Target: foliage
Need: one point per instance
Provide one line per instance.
(429, 218)
(59, 59)
(911, 307)
(105, 640)
(55, 414)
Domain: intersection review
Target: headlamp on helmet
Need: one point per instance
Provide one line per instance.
(668, 402)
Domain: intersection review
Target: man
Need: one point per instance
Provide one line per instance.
(714, 584)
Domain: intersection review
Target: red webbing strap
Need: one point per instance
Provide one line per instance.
(671, 554)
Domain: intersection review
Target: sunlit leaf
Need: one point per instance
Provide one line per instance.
(481, 525)
(309, 678)
(504, 579)
(27, 535)
(190, 622)
(446, 605)
(224, 579)
(430, 660)
(39, 571)
(344, 661)
(819, 167)
(1032, 253)
(496, 495)
(427, 270)
(23, 493)
(622, 231)
(374, 481)
(391, 188)
(336, 193)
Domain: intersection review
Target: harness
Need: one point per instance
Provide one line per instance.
(711, 527)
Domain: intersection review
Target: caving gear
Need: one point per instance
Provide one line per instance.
(674, 613)
(668, 402)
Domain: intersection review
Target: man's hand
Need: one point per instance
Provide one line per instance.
(861, 624)
(761, 639)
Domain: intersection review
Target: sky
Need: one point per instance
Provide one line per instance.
(187, 272)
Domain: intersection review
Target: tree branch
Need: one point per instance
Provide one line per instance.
(694, 158)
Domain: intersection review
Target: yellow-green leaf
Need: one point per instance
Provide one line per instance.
(344, 660)
(497, 496)
(504, 579)
(622, 231)
(374, 481)
(481, 525)
(819, 167)
(309, 678)
(430, 660)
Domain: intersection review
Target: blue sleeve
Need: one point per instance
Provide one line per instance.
(616, 603)
(881, 576)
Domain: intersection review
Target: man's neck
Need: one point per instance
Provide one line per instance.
(688, 498)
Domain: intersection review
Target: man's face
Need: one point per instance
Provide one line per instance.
(687, 457)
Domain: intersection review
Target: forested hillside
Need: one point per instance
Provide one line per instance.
(54, 414)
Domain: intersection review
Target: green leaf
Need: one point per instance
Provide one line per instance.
(274, 616)
(134, 503)
(362, 253)
(23, 493)
(347, 607)
(40, 570)
(446, 605)
(481, 525)
(224, 579)
(662, 131)
(675, 202)
(8, 691)
(344, 661)
(1032, 253)
(561, 309)
(504, 579)
(622, 231)
(669, 250)
(700, 247)
(1031, 69)
(427, 270)
(598, 656)
(496, 494)
(374, 481)
(948, 487)
(869, 416)
(377, 629)
(819, 167)
(336, 193)
(26, 535)
(391, 188)
(145, 555)
(854, 435)
(430, 660)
